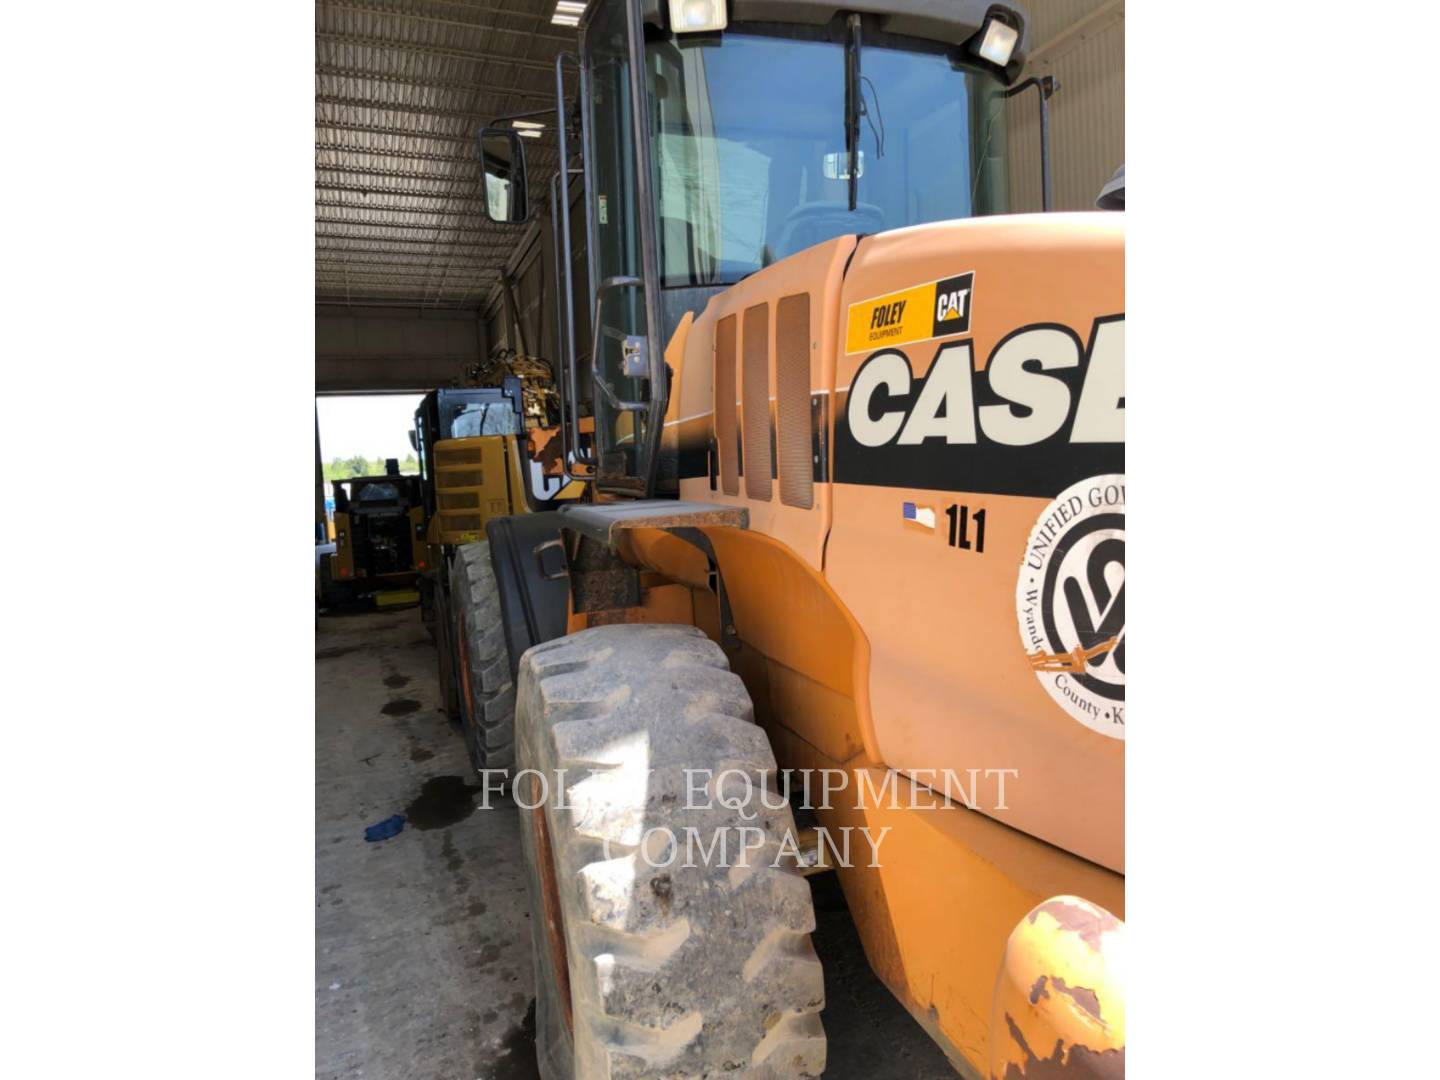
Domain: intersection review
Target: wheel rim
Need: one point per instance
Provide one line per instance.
(463, 658)
(550, 899)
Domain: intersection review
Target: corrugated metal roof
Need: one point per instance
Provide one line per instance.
(401, 89)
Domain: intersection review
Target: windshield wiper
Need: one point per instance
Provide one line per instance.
(852, 104)
(875, 102)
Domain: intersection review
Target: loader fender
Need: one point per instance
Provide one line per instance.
(530, 574)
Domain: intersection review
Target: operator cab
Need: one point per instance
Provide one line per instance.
(718, 138)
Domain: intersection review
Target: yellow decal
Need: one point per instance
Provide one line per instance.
(936, 309)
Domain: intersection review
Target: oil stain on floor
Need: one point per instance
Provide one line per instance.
(394, 682)
(443, 801)
(400, 707)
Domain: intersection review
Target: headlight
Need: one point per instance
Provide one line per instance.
(694, 16)
(997, 41)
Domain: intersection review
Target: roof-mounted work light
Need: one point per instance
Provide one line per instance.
(695, 16)
(997, 41)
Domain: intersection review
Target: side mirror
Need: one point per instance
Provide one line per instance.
(502, 167)
(414, 442)
(1112, 195)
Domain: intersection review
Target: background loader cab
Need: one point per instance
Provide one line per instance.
(857, 506)
(478, 461)
(470, 471)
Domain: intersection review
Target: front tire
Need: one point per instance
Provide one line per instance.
(484, 686)
(644, 968)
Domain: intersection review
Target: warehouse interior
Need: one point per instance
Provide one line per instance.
(423, 941)
(408, 269)
(252, 840)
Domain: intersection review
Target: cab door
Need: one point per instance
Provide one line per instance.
(628, 371)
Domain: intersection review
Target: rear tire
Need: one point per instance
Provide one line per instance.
(444, 632)
(483, 682)
(642, 969)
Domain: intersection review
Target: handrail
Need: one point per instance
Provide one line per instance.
(658, 388)
(561, 375)
(619, 281)
(656, 373)
(568, 271)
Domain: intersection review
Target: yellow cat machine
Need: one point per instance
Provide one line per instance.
(857, 516)
(478, 461)
(379, 540)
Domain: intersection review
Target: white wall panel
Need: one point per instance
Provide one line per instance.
(1082, 44)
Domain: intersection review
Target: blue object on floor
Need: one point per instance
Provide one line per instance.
(384, 830)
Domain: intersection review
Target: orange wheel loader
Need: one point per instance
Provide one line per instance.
(850, 554)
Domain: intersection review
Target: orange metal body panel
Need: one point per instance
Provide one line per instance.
(873, 642)
(818, 272)
(816, 657)
(935, 914)
(951, 685)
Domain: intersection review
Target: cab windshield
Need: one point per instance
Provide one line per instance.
(751, 163)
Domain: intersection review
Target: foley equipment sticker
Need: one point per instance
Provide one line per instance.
(935, 309)
(1070, 601)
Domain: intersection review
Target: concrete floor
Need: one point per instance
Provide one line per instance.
(422, 941)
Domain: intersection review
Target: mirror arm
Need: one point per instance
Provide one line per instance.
(1046, 85)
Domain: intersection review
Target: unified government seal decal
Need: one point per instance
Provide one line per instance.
(1070, 602)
